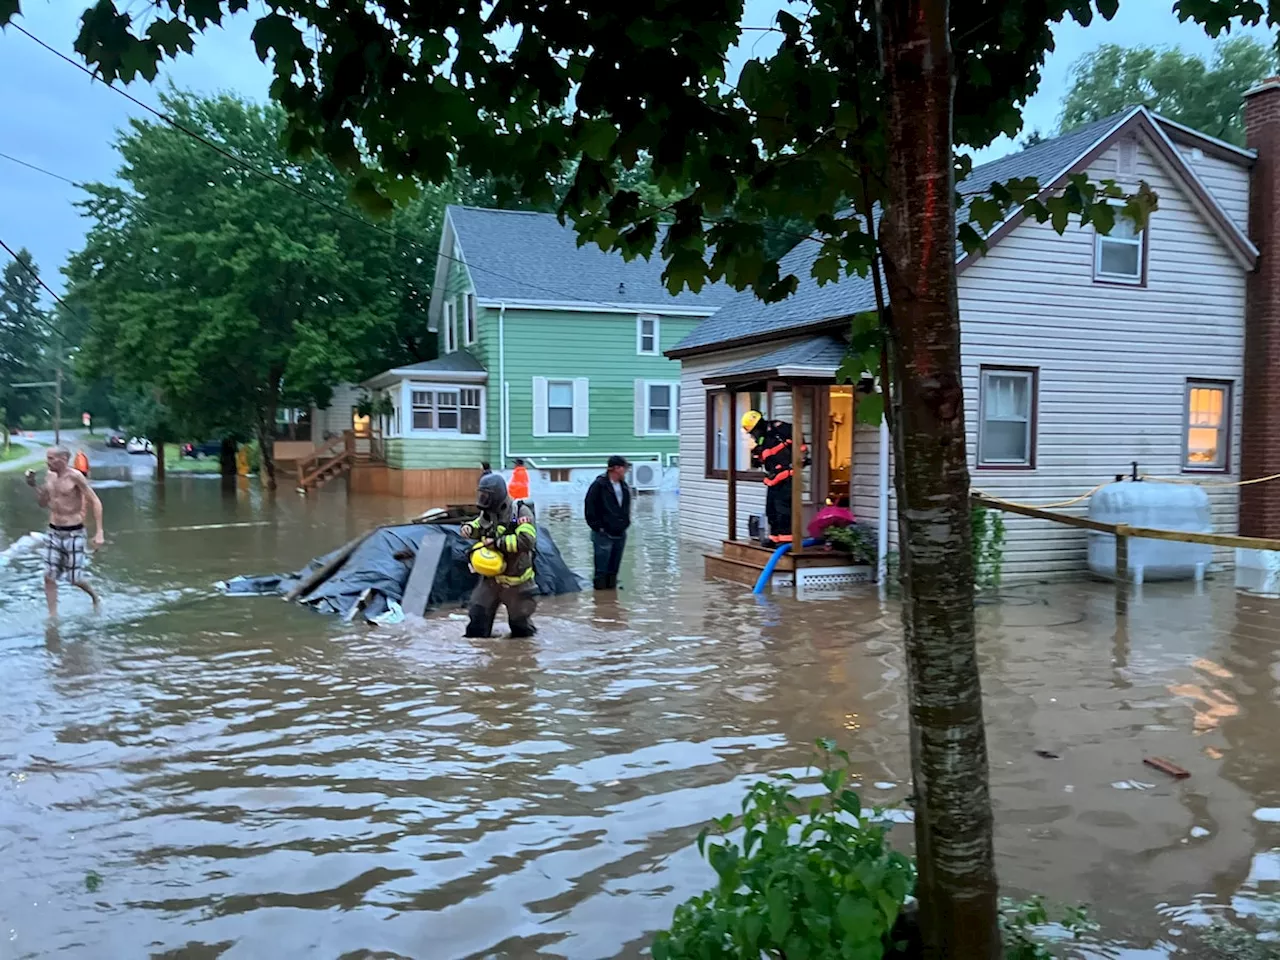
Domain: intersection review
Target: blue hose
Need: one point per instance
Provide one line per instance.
(778, 554)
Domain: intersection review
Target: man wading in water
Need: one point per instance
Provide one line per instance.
(66, 493)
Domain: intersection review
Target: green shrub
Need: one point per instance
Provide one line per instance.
(812, 879)
(857, 539)
(987, 528)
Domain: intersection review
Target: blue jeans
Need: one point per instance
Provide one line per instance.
(608, 558)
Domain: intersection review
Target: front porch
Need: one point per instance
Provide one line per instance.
(796, 384)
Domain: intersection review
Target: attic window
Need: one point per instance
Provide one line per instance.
(1127, 158)
(1119, 257)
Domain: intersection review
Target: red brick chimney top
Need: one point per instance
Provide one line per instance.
(1262, 86)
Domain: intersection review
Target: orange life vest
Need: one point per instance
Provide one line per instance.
(518, 488)
(81, 462)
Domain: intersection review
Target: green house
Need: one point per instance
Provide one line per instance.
(549, 352)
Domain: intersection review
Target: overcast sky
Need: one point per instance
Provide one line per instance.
(55, 117)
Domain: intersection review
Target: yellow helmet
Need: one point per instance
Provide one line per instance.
(486, 561)
(750, 419)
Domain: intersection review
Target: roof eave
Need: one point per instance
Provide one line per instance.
(593, 306)
(817, 326)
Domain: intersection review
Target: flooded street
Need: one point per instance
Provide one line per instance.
(199, 776)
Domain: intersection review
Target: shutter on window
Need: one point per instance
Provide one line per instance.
(581, 408)
(539, 406)
(641, 408)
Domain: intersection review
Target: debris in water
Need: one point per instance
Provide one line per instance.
(884, 785)
(1199, 833)
(1048, 755)
(1132, 785)
(1166, 766)
(1267, 814)
(92, 881)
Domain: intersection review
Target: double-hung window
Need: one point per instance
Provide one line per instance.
(1118, 257)
(1207, 437)
(560, 406)
(647, 334)
(446, 410)
(1006, 417)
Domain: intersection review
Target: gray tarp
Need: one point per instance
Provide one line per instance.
(380, 566)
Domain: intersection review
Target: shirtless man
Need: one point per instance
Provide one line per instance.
(68, 496)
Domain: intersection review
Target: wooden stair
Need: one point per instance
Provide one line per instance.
(332, 460)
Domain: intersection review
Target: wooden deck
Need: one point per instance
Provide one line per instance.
(742, 560)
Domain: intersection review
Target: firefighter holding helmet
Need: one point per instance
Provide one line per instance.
(772, 453)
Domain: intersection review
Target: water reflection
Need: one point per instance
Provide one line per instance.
(248, 776)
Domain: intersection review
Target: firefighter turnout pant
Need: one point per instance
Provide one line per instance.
(521, 601)
(777, 509)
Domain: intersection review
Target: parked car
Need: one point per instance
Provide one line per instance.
(210, 448)
(138, 445)
(117, 441)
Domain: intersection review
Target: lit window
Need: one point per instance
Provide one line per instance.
(1208, 418)
(647, 334)
(560, 406)
(1117, 257)
(1006, 411)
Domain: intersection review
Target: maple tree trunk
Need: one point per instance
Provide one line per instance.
(158, 450)
(953, 822)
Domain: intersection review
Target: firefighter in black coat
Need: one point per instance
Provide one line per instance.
(772, 453)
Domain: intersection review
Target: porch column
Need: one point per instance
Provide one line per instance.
(731, 467)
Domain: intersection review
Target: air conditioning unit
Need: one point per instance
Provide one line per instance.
(646, 475)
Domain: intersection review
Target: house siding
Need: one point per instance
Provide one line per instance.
(335, 419)
(1226, 181)
(600, 347)
(1113, 361)
(435, 453)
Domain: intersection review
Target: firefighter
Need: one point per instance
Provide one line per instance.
(508, 529)
(772, 453)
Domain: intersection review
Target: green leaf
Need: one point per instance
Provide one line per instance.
(8, 10)
(857, 918)
(276, 32)
(597, 137)
(870, 408)
(778, 901)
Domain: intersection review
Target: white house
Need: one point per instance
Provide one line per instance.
(1081, 353)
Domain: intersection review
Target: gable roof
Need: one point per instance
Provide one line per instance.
(818, 357)
(745, 319)
(530, 258)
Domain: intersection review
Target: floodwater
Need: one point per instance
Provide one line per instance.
(197, 776)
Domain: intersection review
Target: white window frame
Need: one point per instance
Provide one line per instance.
(1226, 387)
(470, 326)
(450, 326)
(647, 408)
(1139, 242)
(657, 335)
(1031, 375)
(581, 387)
(409, 387)
(552, 383)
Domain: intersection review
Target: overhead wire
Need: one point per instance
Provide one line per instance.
(35, 275)
(299, 191)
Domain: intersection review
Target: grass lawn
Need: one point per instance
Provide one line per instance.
(175, 462)
(16, 451)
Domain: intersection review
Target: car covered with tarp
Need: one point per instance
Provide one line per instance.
(398, 569)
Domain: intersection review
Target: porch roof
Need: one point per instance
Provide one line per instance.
(817, 358)
(457, 367)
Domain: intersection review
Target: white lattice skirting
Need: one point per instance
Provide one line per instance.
(818, 580)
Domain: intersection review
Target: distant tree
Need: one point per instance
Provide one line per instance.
(1177, 85)
(145, 414)
(1032, 138)
(24, 336)
(228, 295)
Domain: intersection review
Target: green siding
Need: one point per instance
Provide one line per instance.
(600, 347)
(431, 454)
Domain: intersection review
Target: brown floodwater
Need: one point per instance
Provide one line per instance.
(192, 775)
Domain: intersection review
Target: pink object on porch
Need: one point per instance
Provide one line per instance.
(830, 517)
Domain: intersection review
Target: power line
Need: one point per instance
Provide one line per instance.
(294, 188)
(32, 166)
(35, 275)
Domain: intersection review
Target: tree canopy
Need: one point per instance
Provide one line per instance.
(24, 337)
(1181, 86)
(222, 293)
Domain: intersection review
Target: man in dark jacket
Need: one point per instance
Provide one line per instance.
(608, 508)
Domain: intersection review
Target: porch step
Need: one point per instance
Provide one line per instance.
(717, 567)
(746, 551)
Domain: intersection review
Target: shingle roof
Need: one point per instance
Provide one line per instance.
(814, 306)
(824, 353)
(460, 361)
(520, 255)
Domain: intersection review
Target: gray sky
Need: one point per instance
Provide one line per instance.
(55, 117)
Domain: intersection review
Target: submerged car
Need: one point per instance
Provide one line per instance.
(210, 448)
(117, 441)
(138, 445)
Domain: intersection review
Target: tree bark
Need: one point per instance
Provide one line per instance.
(956, 860)
(266, 448)
(158, 447)
(227, 458)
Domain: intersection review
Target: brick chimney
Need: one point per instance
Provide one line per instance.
(1260, 410)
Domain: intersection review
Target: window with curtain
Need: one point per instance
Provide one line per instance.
(724, 413)
(1208, 416)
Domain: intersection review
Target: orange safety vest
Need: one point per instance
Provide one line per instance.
(81, 462)
(518, 488)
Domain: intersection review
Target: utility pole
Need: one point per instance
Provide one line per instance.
(57, 395)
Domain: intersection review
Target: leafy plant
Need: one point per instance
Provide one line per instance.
(93, 881)
(375, 405)
(1022, 921)
(987, 528)
(811, 879)
(857, 539)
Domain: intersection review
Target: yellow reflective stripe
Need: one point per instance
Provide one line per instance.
(527, 527)
(510, 544)
(515, 581)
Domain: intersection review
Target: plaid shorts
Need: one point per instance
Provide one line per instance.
(64, 554)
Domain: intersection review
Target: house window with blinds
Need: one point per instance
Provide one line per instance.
(447, 410)
(561, 407)
(1006, 417)
(1207, 434)
(1119, 256)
